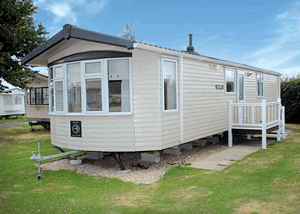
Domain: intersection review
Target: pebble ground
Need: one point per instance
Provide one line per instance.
(108, 166)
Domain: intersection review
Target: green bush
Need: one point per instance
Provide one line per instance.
(290, 98)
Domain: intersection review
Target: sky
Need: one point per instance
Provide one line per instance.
(261, 33)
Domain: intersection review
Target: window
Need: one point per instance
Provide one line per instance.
(17, 99)
(91, 87)
(169, 84)
(38, 96)
(59, 97)
(51, 92)
(74, 87)
(8, 100)
(28, 97)
(32, 97)
(118, 85)
(45, 96)
(58, 72)
(93, 95)
(230, 80)
(260, 85)
(58, 84)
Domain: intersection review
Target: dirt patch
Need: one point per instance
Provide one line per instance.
(208, 172)
(255, 206)
(72, 200)
(19, 186)
(188, 177)
(131, 199)
(67, 187)
(7, 193)
(191, 192)
(29, 136)
(297, 161)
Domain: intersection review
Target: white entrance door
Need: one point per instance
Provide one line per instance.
(240, 94)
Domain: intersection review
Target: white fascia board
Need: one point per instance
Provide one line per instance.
(201, 58)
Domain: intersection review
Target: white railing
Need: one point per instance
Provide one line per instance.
(256, 116)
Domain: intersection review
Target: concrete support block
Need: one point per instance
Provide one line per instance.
(201, 142)
(78, 161)
(95, 155)
(172, 151)
(221, 134)
(155, 158)
(214, 139)
(186, 146)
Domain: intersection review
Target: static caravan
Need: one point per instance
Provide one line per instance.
(37, 101)
(12, 103)
(112, 94)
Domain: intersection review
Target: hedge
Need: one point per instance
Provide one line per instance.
(290, 98)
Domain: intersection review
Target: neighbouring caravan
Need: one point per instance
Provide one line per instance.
(113, 94)
(37, 101)
(12, 103)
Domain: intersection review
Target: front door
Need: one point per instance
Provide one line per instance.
(240, 94)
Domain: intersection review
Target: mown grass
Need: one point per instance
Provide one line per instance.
(267, 181)
(13, 119)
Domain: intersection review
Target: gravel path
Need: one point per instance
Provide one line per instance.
(5, 125)
(108, 167)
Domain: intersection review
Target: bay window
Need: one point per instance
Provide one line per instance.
(91, 87)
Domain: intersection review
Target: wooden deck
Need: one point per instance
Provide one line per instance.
(256, 118)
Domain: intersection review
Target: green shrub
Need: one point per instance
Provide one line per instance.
(290, 98)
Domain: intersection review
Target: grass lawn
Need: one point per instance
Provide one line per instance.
(13, 119)
(267, 181)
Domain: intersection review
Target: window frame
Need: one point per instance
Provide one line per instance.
(15, 96)
(63, 80)
(65, 87)
(234, 82)
(261, 83)
(164, 111)
(85, 77)
(12, 100)
(104, 78)
(42, 92)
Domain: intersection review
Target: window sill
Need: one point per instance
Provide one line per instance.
(90, 114)
(230, 93)
(170, 111)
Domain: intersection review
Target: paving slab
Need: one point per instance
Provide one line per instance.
(5, 125)
(229, 156)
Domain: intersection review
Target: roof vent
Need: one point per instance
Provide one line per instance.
(190, 48)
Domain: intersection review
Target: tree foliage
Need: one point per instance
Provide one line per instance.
(290, 98)
(127, 32)
(19, 35)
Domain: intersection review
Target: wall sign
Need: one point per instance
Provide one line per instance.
(75, 128)
(220, 87)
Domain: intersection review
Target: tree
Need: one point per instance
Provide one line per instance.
(19, 35)
(126, 32)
